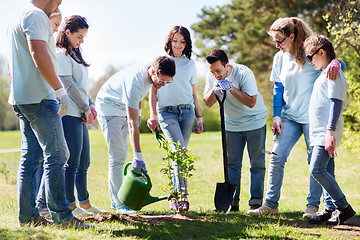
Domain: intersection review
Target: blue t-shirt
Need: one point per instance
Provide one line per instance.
(79, 73)
(180, 91)
(28, 86)
(239, 117)
(126, 88)
(319, 109)
(298, 84)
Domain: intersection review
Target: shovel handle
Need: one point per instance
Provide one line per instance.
(223, 135)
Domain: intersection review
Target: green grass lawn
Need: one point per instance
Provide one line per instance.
(200, 222)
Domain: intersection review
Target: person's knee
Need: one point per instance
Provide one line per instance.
(316, 172)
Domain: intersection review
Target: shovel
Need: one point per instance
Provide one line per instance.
(225, 192)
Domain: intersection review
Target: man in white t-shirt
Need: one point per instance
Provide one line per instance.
(245, 118)
(117, 104)
(39, 100)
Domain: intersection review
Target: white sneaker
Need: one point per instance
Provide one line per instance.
(310, 212)
(263, 210)
(125, 210)
(79, 212)
(94, 209)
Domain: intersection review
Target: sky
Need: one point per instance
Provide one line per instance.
(122, 32)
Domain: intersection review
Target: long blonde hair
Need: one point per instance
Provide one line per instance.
(301, 30)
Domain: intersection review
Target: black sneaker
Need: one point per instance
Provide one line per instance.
(234, 208)
(340, 216)
(321, 217)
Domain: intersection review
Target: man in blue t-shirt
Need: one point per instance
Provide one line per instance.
(245, 118)
(39, 100)
(117, 104)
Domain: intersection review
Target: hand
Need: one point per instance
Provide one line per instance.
(63, 100)
(224, 84)
(330, 143)
(138, 163)
(218, 91)
(153, 122)
(200, 126)
(93, 111)
(333, 70)
(89, 117)
(277, 126)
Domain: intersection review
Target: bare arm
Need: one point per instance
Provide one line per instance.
(153, 123)
(243, 97)
(133, 119)
(199, 122)
(196, 103)
(43, 62)
(152, 100)
(209, 98)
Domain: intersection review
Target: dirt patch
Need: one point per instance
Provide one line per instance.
(145, 219)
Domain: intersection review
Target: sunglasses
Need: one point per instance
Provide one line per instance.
(162, 81)
(166, 82)
(279, 42)
(310, 57)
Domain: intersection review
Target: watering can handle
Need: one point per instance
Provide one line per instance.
(148, 181)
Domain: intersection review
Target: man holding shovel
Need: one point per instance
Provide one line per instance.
(245, 117)
(117, 104)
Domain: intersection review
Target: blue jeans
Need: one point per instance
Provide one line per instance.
(255, 141)
(291, 133)
(177, 122)
(318, 169)
(77, 139)
(42, 135)
(115, 130)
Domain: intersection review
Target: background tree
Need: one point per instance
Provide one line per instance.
(8, 120)
(344, 30)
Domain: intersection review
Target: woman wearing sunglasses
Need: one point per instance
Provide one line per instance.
(177, 103)
(293, 79)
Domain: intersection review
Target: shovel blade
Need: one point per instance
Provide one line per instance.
(269, 152)
(224, 196)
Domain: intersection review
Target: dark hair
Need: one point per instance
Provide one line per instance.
(216, 55)
(316, 42)
(73, 23)
(164, 65)
(186, 34)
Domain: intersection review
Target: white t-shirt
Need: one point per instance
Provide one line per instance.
(79, 73)
(126, 88)
(28, 86)
(324, 89)
(239, 117)
(298, 84)
(180, 90)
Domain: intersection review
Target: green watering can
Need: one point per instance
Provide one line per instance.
(134, 191)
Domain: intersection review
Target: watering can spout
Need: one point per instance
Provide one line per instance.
(150, 199)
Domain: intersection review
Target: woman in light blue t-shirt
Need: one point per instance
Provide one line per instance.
(177, 104)
(73, 73)
(326, 109)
